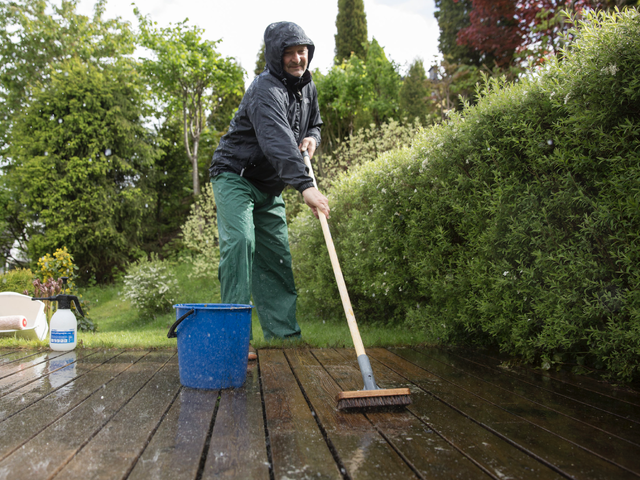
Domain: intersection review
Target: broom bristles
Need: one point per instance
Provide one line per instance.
(396, 397)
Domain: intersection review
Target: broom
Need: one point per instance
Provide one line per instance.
(371, 396)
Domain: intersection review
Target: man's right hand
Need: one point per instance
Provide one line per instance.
(316, 201)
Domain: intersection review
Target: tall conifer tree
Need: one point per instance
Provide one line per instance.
(261, 61)
(414, 97)
(351, 23)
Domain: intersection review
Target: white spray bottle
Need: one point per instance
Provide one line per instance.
(64, 326)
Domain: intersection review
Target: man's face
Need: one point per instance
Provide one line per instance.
(295, 60)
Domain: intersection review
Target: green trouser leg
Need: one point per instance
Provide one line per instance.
(254, 254)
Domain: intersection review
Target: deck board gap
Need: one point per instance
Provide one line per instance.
(455, 446)
(327, 439)
(404, 458)
(207, 441)
(264, 422)
(153, 432)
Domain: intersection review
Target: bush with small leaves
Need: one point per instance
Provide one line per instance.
(514, 225)
(200, 235)
(151, 285)
(365, 145)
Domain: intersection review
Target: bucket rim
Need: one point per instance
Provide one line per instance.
(214, 306)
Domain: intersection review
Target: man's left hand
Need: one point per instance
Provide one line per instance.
(308, 144)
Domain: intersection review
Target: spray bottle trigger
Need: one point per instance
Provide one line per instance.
(77, 302)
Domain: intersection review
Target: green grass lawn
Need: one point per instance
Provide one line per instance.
(121, 326)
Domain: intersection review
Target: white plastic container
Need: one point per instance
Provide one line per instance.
(64, 331)
(13, 303)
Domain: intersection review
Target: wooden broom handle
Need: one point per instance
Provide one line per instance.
(342, 287)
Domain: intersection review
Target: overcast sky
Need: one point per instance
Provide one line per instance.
(406, 29)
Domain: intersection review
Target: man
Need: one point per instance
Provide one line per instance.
(277, 119)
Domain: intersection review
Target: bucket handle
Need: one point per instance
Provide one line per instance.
(172, 330)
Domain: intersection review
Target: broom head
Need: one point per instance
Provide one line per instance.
(380, 398)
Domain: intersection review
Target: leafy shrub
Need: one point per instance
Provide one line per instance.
(18, 280)
(200, 234)
(363, 146)
(151, 286)
(516, 224)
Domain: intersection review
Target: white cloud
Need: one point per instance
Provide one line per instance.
(403, 29)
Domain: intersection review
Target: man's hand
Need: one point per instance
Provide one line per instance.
(316, 201)
(308, 144)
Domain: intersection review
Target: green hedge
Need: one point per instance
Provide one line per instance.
(17, 280)
(516, 224)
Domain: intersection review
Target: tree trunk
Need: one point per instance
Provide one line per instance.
(193, 155)
(196, 178)
(194, 163)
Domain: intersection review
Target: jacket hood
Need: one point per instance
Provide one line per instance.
(279, 36)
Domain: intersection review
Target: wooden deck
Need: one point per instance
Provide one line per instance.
(123, 414)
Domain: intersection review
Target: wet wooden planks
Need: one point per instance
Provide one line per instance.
(123, 414)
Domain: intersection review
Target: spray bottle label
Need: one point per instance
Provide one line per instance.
(62, 336)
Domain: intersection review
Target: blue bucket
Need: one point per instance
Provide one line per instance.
(213, 344)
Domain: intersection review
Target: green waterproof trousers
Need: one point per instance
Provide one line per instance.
(254, 254)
